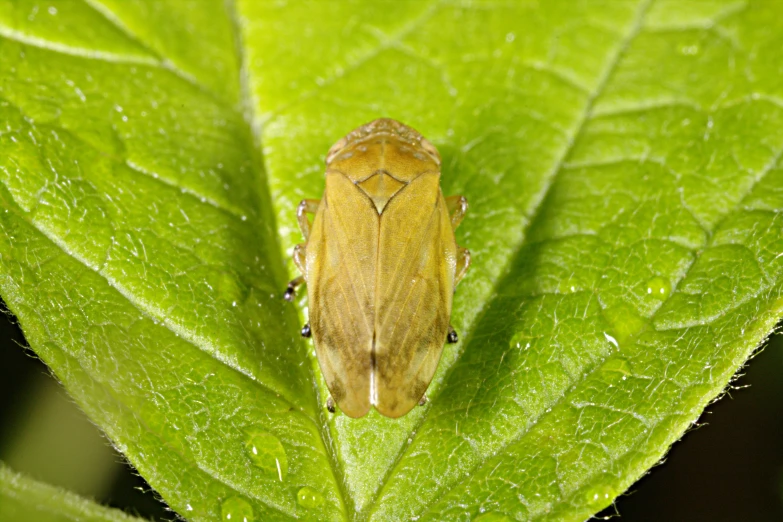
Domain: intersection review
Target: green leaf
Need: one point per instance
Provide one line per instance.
(23, 499)
(622, 162)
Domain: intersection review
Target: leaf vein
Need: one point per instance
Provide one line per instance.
(90, 54)
(564, 398)
(163, 62)
(149, 311)
(251, 117)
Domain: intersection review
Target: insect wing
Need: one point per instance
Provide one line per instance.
(341, 260)
(415, 284)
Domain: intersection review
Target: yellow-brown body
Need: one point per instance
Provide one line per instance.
(381, 263)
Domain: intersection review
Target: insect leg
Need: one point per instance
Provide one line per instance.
(463, 262)
(300, 257)
(306, 206)
(291, 289)
(452, 336)
(306, 330)
(299, 260)
(457, 207)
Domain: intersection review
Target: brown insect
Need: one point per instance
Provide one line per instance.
(381, 264)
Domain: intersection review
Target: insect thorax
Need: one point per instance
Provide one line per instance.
(382, 158)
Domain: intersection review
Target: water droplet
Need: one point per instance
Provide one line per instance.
(611, 340)
(492, 516)
(267, 452)
(624, 322)
(599, 495)
(309, 498)
(235, 509)
(659, 288)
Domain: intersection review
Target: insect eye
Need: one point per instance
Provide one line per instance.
(430, 149)
(336, 148)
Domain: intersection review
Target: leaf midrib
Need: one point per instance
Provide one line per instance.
(255, 125)
(386, 43)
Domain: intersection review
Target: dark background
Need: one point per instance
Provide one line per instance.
(728, 469)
